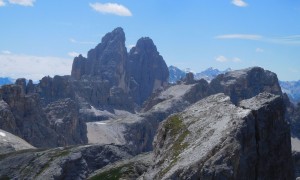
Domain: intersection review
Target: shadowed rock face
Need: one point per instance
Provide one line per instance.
(63, 116)
(24, 117)
(147, 68)
(214, 139)
(137, 74)
(107, 60)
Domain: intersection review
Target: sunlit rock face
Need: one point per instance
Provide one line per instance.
(214, 139)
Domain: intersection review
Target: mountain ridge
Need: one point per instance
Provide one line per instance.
(118, 104)
(291, 88)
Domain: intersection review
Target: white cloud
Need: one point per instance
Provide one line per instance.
(2, 3)
(22, 2)
(5, 52)
(259, 50)
(72, 40)
(240, 36)
(111, 8)
(33, 67)
(285, 40)
(73, 54)
(236, 60)
(239, 3)
(223, 59)
(291, 40)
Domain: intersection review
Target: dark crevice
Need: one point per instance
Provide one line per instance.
(257, 139)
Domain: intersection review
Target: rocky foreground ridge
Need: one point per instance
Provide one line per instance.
(214, 139)
(116, 106)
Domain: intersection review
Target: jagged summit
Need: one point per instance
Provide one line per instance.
(148, 69)
(137, 73)
(144, 43)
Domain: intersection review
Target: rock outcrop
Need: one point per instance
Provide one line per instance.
(10, 143)
(60, 163)
(64, 118)
(107, 60)
(23, 116)
(53, 89)
(147, 68)
(245, 83)
(214, 139)
(129, 169)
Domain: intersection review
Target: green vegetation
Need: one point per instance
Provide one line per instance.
(179, 132)
(62, 153)
(114, 174)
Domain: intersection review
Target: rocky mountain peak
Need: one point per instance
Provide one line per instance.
(114, 40)
(148, 69)
(136, 74)
(116, 35)
(144, 44)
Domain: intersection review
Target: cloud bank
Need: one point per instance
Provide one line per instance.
(287, 40)
(2, 3)
(33, 67)
(223, 59)
(240, 36)
(239, 3)
(22, 2)
(111, 8)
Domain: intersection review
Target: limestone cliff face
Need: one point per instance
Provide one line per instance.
(136, 75)
(107, 60)
(24, 117)
(214, 139)
(53, 89)
(64, 119)
(23, 114)
(147, 68)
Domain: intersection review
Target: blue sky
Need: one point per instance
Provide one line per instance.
(40, 38)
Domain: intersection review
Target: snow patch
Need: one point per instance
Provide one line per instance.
(295, 144)
(2, 134)
(100, 123)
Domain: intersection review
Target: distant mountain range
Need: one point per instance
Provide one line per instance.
(6, 80)
(176, 74)
(291, 88)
